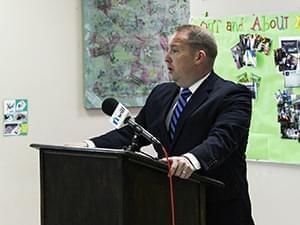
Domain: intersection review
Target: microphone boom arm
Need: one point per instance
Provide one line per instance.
(141, 131)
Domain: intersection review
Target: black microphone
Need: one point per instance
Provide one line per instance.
(120, 116)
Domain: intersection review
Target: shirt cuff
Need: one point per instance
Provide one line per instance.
(90, 144)
(193, 160)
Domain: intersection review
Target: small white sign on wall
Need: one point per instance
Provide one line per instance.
(15, 117)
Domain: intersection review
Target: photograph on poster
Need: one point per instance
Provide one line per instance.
(244, 52)
(12, 129)
(288, 109)
(251, 81)
(287, 59)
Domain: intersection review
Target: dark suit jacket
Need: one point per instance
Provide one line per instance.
(214, 127)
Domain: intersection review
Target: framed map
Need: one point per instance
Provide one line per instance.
(124, 47)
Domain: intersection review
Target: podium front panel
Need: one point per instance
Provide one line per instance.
(81, 189)
(149, 197)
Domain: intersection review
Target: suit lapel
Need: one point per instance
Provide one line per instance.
(197, 99)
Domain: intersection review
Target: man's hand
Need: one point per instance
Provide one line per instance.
(180, 167)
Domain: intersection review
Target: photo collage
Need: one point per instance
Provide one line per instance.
(287, 61)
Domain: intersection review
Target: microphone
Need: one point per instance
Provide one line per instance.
(120, 116)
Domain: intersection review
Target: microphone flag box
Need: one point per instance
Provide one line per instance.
(119, 116)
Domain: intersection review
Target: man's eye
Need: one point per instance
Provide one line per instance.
(174, 50)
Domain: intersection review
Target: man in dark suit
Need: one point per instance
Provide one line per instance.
(202, 120)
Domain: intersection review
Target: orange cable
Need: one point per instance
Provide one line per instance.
(170, 187)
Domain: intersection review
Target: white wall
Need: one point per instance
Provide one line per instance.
(219, 8)
(41, 60)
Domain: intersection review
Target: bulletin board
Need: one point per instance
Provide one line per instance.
(263, 53)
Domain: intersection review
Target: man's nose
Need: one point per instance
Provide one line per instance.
(168, 58)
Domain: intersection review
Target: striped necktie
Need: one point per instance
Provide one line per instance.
(181, 102)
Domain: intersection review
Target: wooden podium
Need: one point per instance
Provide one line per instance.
(82, 186)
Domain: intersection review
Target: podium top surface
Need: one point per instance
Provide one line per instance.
(132, 155)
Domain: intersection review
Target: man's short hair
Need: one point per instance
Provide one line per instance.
(200, 38)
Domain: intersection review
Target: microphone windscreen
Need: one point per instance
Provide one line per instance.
(109, 105)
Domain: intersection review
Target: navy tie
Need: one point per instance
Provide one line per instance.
(181, 102)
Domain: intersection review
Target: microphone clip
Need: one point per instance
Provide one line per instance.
(134, 146)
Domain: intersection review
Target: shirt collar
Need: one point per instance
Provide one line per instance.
(194, 86)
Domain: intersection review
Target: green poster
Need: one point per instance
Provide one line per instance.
(263, 52)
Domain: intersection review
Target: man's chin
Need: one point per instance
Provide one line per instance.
(174, 80)
(170, 76)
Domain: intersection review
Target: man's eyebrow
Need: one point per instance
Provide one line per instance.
(173, 45)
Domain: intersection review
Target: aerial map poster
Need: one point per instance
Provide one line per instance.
(263, 53)
(124, 47)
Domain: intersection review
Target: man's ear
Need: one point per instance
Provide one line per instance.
(200, 56)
